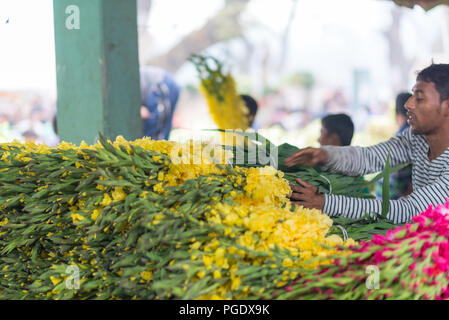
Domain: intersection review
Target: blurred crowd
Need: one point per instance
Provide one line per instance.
(288, 112)
(27, 116)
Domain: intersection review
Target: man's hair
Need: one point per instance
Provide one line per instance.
(401, 99)
(250, 103)
(439, 75)
(340, 124)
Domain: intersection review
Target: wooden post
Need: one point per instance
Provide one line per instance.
(97, 69)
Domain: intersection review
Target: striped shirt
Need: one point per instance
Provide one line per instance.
(430, 179)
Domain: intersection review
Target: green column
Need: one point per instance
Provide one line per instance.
(97, 69)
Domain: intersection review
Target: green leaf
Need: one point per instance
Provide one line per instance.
(381, 174)
(386, 188)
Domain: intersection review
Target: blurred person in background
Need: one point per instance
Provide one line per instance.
(32, 122)
(159, 94)
(54, 127)
(5, 128)
(30, 136)
(54, 124)
(400, 181)
(336, 130)
(252, 106)
(7, 131)
(40, 127)
(401, 111)
(336, 102)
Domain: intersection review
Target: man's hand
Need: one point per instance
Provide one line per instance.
(306, 195)
(307, 157)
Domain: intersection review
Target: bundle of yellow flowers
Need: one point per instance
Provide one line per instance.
(227, 108)
(148, 220)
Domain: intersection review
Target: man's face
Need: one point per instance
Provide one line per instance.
(426, 114)
(327, 139)
(251, 118)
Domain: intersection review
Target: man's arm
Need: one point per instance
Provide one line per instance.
(357, 161)
(401, 210)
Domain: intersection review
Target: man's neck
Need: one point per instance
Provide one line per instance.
(438, 143)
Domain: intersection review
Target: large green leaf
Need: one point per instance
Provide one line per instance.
(386, 188)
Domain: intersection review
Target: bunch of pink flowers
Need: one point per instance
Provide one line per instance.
(408, 262)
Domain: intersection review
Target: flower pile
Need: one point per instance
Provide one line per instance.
(148, 220)
(227, 108)
(409, 262)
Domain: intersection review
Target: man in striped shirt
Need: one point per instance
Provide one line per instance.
(425, 145)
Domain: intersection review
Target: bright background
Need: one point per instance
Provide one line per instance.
(343, 46)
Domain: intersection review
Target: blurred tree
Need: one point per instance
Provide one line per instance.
(445, 33)
(143, 8)
(285, 37)
(225, 25)
(221, 27)
(143, 12)
(400, 65)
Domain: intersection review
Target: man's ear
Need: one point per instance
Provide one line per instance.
(445, 107)
(335, 139)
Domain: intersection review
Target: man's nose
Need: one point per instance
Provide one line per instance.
(409, 104)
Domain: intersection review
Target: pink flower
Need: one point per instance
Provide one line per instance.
(378, 239)
(425, 239)
(328, 292)
(336, 275)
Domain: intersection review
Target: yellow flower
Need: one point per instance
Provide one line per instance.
(55, 280)
(266, 185)
(235, 282)
(196, 245)
(217, 274)
(146, 275)
(334, 240)
(220, 259)
(207, 260)
(4, 222)
(118, 194)
(84, 145)
(287, 262)
(95, 213)
(159, 189)
(76, 217)
(106, 200)
(66, 146)
(101, 187)
(246, 240)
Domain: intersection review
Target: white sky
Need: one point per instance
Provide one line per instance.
(328, 37)
(27, 55)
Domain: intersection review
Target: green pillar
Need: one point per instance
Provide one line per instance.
(97, 69)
